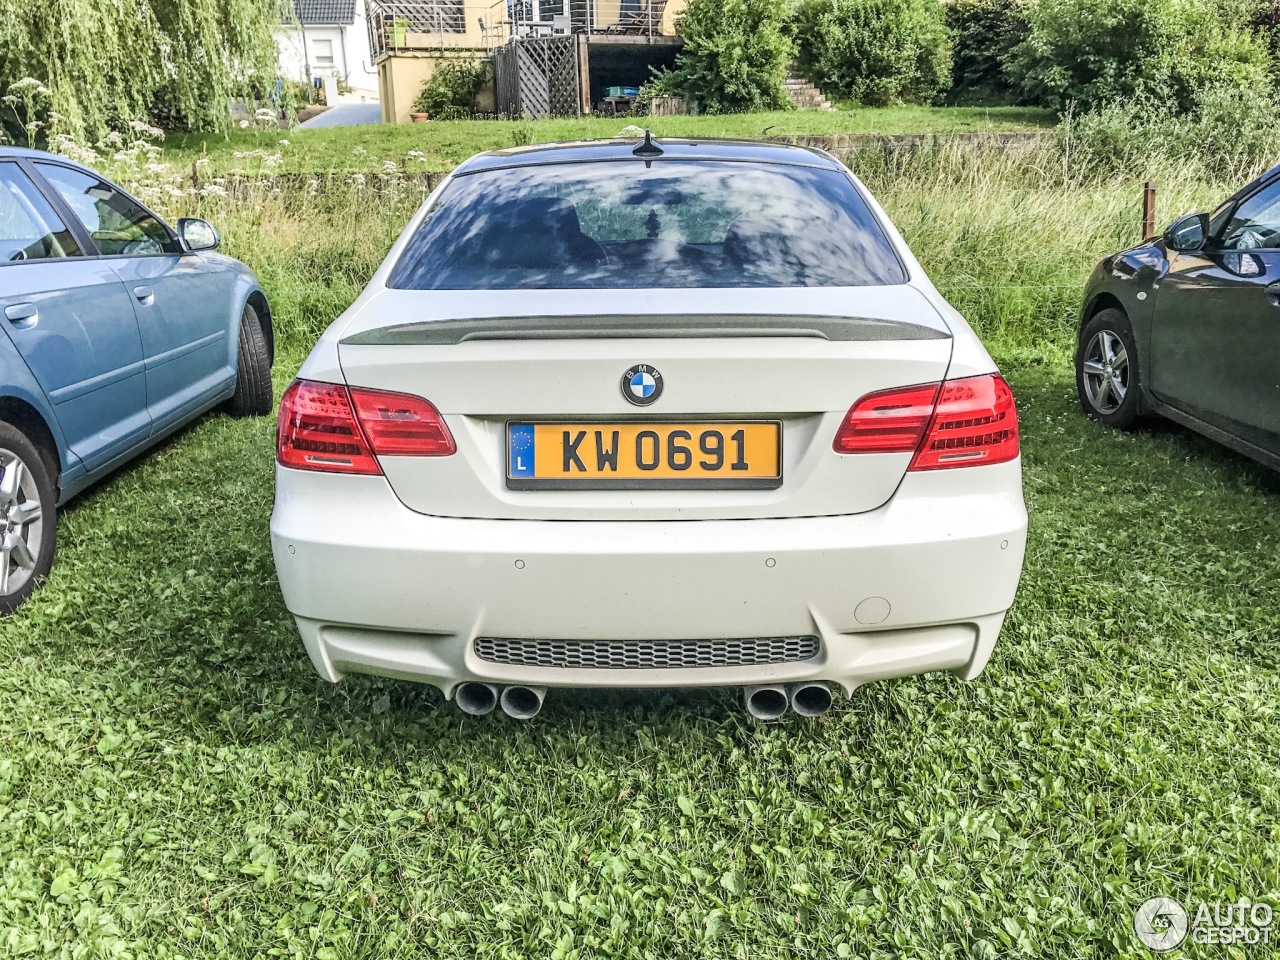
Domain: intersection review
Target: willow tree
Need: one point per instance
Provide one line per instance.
(175, 63)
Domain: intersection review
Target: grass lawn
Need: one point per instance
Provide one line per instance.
(173, 777)
(445, 144)
(176, 781)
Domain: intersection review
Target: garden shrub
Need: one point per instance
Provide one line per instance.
(875, 52)
(1091, 52)
(1265, 23)
(452, 91)
(983, 35)
(734, 57)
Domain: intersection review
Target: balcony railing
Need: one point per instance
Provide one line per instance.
(423, 25)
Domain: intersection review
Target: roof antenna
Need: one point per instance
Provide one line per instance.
(648, 148)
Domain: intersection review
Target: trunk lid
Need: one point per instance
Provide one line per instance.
(799, 358)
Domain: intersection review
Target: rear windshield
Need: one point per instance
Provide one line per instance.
(623, 224)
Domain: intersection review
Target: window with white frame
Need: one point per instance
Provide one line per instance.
(322, 52)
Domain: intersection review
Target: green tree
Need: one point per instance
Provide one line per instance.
(983, 35)
(876, 52)
(1095, 51)
(109, 62)
(734, 57)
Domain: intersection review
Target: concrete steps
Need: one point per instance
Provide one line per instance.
(804, 94)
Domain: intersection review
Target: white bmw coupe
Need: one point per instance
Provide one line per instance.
(677, 414)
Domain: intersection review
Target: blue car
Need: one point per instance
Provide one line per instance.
(118, 329)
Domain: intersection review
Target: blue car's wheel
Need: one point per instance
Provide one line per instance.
(28, 520)
(253, 370)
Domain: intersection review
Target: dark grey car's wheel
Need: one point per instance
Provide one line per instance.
(28, 518)
(1108, 371)
(253, 370)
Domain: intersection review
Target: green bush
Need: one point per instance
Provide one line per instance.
(1265, 23)
(1091, 52)
(734, 57)
(983, 35)
(875, 52)
(451, 92)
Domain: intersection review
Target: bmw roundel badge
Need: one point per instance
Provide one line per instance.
(642, 384)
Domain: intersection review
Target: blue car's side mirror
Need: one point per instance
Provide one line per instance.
(197, 234)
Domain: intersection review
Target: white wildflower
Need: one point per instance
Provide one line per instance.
(28, 86)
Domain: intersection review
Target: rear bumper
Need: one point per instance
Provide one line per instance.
(918, 585)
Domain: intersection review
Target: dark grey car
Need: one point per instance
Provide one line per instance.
(1188, 326)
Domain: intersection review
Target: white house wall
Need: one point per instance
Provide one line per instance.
(351, 58)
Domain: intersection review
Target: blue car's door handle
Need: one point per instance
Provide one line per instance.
(144, 294)
(22, 314)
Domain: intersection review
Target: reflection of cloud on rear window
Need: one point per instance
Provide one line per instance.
(670, 224)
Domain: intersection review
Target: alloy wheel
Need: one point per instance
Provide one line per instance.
(21, 523)
(1106, 372)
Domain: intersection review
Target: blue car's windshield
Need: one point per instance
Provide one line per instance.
(625, 224)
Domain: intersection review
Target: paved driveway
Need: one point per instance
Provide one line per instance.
(346, 115)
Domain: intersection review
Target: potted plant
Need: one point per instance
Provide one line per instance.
(420, 112)
(450, 92)
(399, 32)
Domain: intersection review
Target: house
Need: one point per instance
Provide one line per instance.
(328, 39)
(550, 57)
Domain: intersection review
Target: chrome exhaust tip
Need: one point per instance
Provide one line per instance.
(766, 702)
(477, 699)
(523, 703)
(810, 699)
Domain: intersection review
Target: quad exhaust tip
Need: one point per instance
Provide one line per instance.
(810, 699)
(523, 703)
(766, 702)
(477, 699)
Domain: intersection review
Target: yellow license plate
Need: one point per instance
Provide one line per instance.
(630, 456)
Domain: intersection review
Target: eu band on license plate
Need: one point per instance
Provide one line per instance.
(645, 455)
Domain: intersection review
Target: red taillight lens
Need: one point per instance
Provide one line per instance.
(402, 425)
(325, 426)
(975, 423)
(957, 423)
(317, 430)
(891, 421)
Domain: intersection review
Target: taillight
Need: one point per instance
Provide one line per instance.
(325, 426)
(317, 430)
(975, 422)
(402, 425)
(956, 423)
(891, 421)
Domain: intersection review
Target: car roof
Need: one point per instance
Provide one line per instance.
(8, 151)
(672, 149)
(13, 153)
